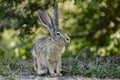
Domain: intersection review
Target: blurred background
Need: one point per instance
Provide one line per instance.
(93, 26)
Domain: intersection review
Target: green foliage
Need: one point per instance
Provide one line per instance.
(85, 21)
(1, 52)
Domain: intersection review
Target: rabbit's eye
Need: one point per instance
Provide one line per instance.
(58, 33)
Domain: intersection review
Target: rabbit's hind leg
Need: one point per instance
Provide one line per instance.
(58, 67)
(35, 64)
(40, 68)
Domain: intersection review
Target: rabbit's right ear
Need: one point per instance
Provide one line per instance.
(56, 20)
(45, 19)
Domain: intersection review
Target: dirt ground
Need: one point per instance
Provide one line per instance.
(32, 77)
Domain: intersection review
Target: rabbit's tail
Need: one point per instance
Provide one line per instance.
(34, 52)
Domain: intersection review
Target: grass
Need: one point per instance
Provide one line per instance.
(11, 66)
(95, 67)
(92, 67)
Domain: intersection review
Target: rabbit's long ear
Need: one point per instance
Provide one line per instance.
(45, 19)
(56, 20)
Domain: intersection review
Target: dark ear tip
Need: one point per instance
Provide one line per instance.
(40, 8)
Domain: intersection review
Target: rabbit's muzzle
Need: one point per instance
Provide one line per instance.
(67, 40)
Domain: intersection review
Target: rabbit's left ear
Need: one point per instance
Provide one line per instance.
(56, 20)
(46, 19)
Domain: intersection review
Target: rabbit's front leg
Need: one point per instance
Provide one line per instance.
(58, 67)
(50, 68)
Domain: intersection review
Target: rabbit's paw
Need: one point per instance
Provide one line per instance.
(40, 72)
(59, 74)
(53, 75)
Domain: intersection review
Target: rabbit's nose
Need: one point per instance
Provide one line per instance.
(68, 39)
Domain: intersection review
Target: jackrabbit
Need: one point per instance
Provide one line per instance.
(47, 51)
